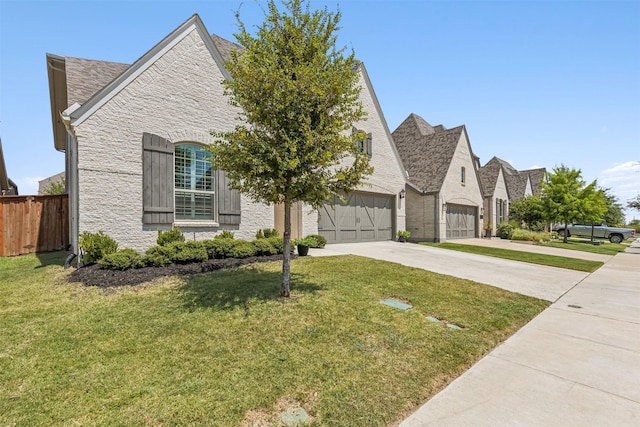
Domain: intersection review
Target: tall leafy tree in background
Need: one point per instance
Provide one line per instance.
(615, 212)
(527, 210)
(566, 198)
(299, 96)
(634, 203)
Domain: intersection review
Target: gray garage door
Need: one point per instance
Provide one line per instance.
(364, 217)
(461, 221)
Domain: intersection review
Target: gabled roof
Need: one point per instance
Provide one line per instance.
(90, 83)
(516, 180)
(426, 151)
(6, 185)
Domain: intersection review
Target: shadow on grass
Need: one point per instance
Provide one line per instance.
(228, 290)
(51, 258)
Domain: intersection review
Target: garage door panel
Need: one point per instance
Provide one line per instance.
(364, 217)
(461, 221)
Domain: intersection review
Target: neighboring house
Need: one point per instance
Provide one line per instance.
(45, 185)
(134, 138)
(504, 185)
(444, 194)
(7, 187)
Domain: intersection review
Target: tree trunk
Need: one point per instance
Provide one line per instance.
(285, 290)
(566, 231)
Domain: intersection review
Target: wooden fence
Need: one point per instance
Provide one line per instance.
(33, 224)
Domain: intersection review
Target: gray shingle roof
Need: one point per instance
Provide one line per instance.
(224, 46)
(426, 152)
(85, 77)
(516, 180)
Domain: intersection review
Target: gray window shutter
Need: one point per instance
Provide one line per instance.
(228, 200)
(368, 144)
(157, 180)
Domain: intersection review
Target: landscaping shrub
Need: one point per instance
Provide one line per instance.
(530, 236)
(277, 243)
(220, 248)
(122, 260)
(270, 232)
(264, 247)
(95, 246)
(243, 249)
(166, 237)
(259, 234)
(226, 234)
(159, 256)
(320, 241)
(504, 230)
(186, 252)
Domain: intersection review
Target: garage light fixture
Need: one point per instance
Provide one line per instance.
(402, 193)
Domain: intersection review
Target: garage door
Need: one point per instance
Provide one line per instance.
(461, 221)
(364, 217)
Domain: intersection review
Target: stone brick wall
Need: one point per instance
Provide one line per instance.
(178, 97)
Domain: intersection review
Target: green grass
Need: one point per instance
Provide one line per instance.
(583, 245)
(533, 258)
(221, 348)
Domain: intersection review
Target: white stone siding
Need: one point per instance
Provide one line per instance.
(178, 97)
(421, 215)
(387, 177)
(453, 190)
(500, 193)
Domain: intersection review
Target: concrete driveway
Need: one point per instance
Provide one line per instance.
(547, 283)
(576, 364)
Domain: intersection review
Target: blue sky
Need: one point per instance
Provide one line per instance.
(537, 83)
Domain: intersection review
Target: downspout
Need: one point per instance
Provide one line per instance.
(71, 184)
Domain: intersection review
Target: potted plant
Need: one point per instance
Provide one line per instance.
(487, 229)
(403, 235)
(304, 244)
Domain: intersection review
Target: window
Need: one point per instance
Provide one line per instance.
(463, 175)
(194, 183)
(364, 145)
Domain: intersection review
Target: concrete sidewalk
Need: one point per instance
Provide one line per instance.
(576, 364)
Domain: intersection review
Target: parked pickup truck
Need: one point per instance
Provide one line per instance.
(602, 231)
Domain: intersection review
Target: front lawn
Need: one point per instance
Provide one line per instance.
(222, 349)
(584, 245)
(533, 258)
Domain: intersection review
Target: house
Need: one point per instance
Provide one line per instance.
(444, 195)
(503, 184)
(134, 139)
(7, 187)
(45, 185)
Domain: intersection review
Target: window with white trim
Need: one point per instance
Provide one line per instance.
(194, 183)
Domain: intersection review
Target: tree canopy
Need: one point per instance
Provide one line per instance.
(566, 198)
(299, 97)
(634, 203)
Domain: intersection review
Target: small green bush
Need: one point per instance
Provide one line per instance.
(320, 241)
(277, 243)
(95, 246)
(166, 237)
(220, 248)
(243, 249)
(186, 252)
(530, 236)
(504, 230)
(226, 234)
(270, 232)
(123, 259)
(259, 234)
(159, 256)
(264, 247)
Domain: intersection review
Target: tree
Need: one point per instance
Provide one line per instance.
(634, 203)
(56, 187)
(567, 198)
(527, 210)
(615, 213)
(299, 97)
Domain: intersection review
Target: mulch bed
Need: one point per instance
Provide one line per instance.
(93, 275)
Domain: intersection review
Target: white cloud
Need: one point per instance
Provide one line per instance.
(624, 181)
(28, 185)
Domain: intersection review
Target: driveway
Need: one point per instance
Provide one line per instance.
(548, 283)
